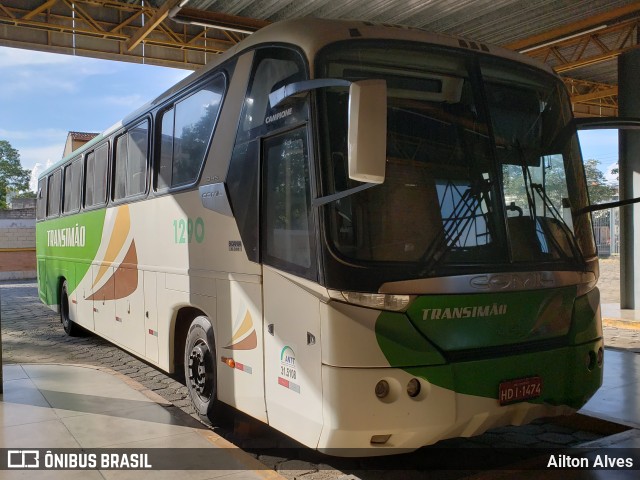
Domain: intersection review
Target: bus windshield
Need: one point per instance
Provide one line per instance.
(479, 170)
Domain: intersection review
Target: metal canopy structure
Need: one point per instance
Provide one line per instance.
(580, 39)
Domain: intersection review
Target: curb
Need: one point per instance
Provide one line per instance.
(617, 323)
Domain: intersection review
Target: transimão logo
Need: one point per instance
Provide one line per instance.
(476, 311)
(67, 237)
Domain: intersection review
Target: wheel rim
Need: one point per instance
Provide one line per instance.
(200, 370)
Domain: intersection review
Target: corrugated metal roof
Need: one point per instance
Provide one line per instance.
(493, 21)
(498, 22)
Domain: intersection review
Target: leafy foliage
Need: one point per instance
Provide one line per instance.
(12, 176)
(599, 191)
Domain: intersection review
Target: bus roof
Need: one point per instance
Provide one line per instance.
(311, 35)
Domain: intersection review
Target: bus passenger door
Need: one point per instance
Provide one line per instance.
(293, 383)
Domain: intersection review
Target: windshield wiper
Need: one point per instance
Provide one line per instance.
(532, 188)
(453, 228)
(540, 190)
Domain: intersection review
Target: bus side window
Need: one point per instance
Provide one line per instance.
(95, 179)
(130, 166)
(100, 165)
(72, 178)
(120, 168)
(41, 199)
(187, 128)
(53, 194)
(137, 149)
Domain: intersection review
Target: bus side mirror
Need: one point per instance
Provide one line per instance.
(367, 135)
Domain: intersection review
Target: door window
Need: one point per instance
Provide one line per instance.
(287, 223)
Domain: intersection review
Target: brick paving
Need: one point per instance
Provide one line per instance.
(31, 333)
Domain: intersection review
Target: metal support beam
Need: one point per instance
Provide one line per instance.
(157, 19)
(45, 6)
(222, 21)
(573, 28)
(591, 47)
(595, 95)
(629, 167)
(112, 29)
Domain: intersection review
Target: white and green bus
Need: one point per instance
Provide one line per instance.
(365, 236)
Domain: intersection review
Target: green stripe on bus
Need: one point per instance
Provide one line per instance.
(70, 244)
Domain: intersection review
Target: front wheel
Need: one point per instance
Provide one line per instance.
(200, 368)
(70, 327)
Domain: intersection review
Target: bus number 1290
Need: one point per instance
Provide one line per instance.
(186, 230)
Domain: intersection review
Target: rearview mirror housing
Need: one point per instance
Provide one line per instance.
(367, 135)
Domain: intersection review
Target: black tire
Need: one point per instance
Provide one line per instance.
(200, 368)
(69, 325)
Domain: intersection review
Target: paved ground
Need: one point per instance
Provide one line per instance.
(31, 333)
(609, 281)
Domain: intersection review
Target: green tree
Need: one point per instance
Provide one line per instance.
(12, 176)
(599, 191)
(27, 194)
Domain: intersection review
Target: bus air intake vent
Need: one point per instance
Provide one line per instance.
(473, 45)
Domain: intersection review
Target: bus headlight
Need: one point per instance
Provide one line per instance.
(379, 301)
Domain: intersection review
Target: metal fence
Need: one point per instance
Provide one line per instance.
(606, 228)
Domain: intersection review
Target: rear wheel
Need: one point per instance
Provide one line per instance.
(69, 325)
(200, 368)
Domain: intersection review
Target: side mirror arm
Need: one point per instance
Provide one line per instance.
(605, 206)
(278, 96)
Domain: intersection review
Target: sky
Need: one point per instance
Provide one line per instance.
(601, 145)
(43, 96)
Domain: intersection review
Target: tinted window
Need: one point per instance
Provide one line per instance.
(287, 203)
(120, 168)
(273, 68)
(186, 132)
(166, 151)
(130, 168)
(137, 159)
(96, 176)
(72, 183)
(41, 202)
(53, 197)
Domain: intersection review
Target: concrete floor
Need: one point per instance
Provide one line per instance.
(88, 410)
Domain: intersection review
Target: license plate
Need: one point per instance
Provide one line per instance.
(519, 390)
